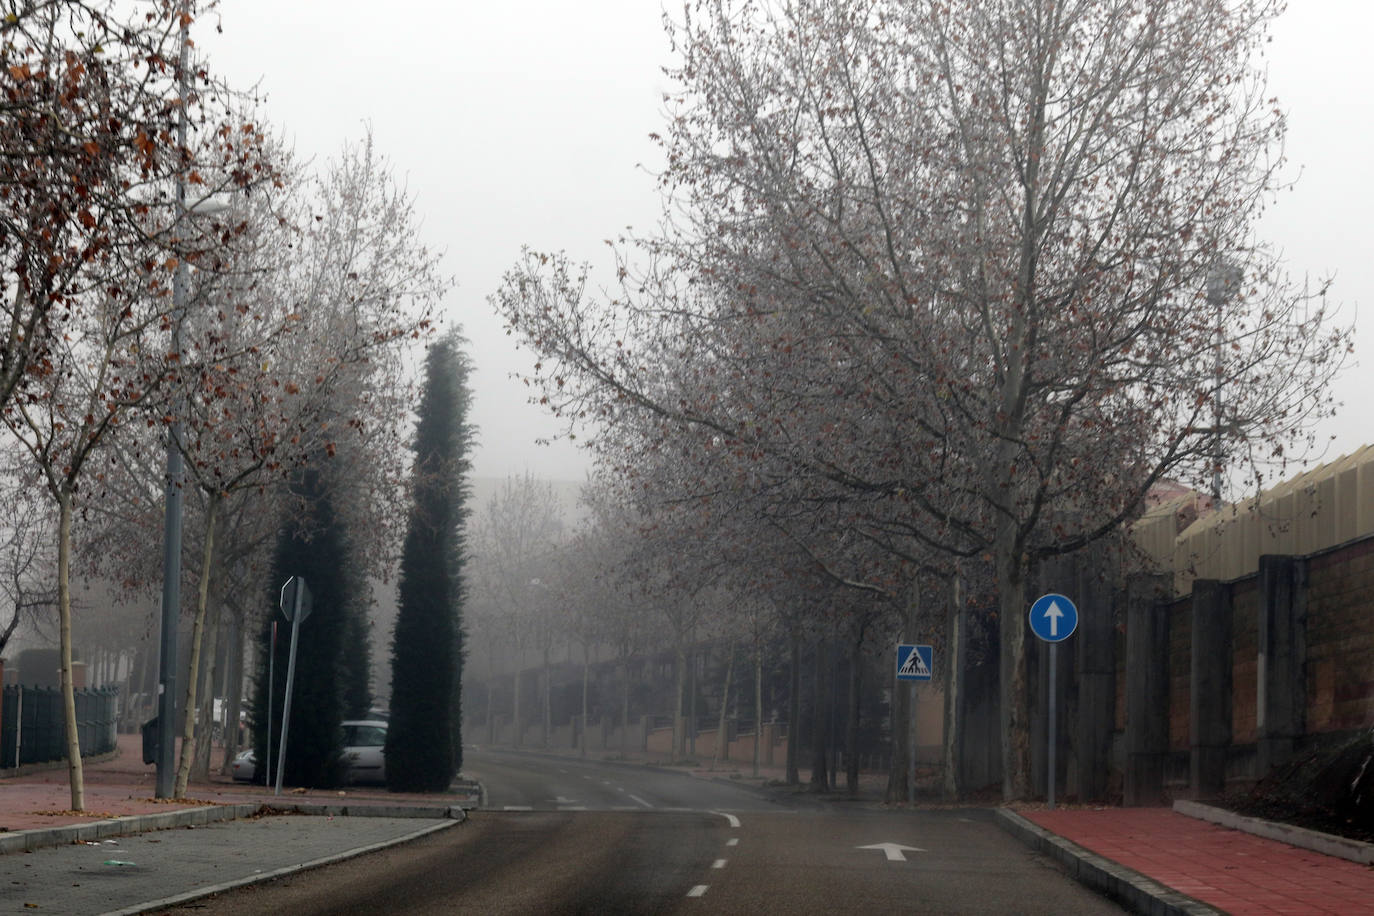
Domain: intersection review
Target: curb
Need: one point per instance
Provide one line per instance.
(282, 872)
(1325, 843)
(44, 837)
(1126, 886)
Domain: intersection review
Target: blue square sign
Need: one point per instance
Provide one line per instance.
(915, 663)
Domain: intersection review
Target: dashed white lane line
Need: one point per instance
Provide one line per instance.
(639, 801)
(734, 821)
(698, 891)
(718, 863)
(733, 841)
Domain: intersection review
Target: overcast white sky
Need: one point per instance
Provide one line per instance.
(527, 121)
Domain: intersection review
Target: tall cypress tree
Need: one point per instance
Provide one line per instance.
(315, 550)
(424, 745)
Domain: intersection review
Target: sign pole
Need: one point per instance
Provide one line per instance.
(911, 748)
(1053, 618)
(290, 680)
(271, 685)
(1054, 653)
(914, 663)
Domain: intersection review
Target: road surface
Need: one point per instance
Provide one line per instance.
(557, 835)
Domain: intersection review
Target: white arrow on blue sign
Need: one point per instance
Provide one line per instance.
(915, 663)
(1053, 617)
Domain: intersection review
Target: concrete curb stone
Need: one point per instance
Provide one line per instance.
(1124, 885)
(1327, 844)
(43, 837)
(259, 878)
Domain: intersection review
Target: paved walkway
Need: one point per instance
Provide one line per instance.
(1229, 870)
(131, 874)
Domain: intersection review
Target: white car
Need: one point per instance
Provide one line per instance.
(364, 750)
(245, 766)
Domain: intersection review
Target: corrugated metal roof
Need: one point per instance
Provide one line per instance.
(1328, 505)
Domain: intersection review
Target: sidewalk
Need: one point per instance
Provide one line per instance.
(1159, 860)
(122, 855)
(123, 785)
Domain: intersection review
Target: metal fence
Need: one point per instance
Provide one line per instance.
(32, 727)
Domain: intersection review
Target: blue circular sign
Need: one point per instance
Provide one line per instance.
(1053, 617)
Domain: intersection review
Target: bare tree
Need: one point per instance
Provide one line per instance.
(514, 542)
(987, 229)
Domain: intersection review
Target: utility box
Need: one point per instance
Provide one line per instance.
(149, 731)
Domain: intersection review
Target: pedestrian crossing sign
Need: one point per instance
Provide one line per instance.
(915, 663)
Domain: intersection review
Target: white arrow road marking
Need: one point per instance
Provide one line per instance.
(1053, 612)
(893, 850)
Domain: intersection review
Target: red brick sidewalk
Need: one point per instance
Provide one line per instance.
(1227, 869)
(125, 785)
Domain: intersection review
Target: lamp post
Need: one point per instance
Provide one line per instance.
(165, 755)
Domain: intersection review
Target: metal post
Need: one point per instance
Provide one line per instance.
(171, 537)
(1054, 655)
(911, 745)
(290, 680)
(271, 687)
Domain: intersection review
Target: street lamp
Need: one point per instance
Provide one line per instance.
(165, 756)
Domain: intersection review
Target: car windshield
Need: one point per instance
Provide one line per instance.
(364, 736)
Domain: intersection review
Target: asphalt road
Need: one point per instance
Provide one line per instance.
(565, 836)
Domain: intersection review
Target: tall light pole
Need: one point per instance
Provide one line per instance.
(171, 526)
(165, 755)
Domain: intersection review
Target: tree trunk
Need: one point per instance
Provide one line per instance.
(758, 704)
(819, 777)
(624, 704)
(200, 768)
(188, 734)
(233, 691)
(794, 713)
(75, 776)
(691, 730)
(586, 675)
(679, 688)
(548, 693)
(724, 705)
(1015, 722)
(957, 633)
(491, 709)
(515, 713)
(851, 737)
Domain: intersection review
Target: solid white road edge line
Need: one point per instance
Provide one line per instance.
(734, 821)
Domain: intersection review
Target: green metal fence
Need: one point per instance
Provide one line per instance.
(32, 729)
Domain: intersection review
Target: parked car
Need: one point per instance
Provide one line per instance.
(245, 766)
(364, 750)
